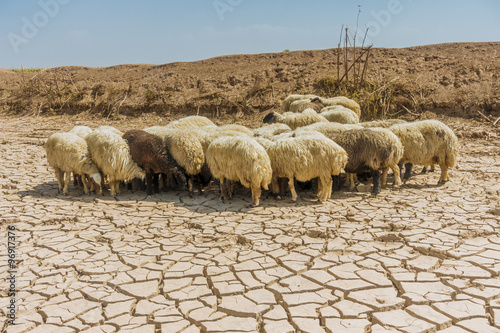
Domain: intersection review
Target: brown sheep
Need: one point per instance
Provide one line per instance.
(150, 153)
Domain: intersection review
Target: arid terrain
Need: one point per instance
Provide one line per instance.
(458, 78)
(423, 258)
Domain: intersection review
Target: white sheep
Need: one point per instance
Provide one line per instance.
(66, 153)
(340, 114)
(294, 120)
(394, 158)
(269, 130)
(111, 154)
(340, 100)
(306, 157)
(427, 142)
(240, 158)
(296, 97)
(190, 122)
(81, 131)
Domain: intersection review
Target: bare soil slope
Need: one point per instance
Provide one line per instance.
(459, 78)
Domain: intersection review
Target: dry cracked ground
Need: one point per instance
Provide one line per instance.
(420, 259)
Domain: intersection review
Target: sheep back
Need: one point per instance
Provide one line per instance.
(366, 149)
(340, 115)
(303, 104)
(295, 97)
(341, 100)
(329, 128)
(295, 120)
(190, 122)
(234, 127)
(269, 130)
(81, 131)
(382, 123)
(110, 129)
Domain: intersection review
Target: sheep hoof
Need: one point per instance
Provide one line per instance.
(442, 182)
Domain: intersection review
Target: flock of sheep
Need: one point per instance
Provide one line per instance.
(314, 138)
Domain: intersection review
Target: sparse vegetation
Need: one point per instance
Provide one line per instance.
(26, 70)
(386, 83)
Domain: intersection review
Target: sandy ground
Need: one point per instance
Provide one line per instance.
(419, 259)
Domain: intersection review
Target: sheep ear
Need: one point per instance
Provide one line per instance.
(97, 177)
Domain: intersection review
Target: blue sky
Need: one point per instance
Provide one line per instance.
(50, 33)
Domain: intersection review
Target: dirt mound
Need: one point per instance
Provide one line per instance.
(457, 78)
(5, 72)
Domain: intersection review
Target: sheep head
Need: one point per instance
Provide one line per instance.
(270, 118)
(96, 181)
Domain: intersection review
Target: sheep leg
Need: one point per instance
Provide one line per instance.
(351, 182)
(85, 183)
(60, 179)
(112, 187)
(444, 175)
(319, 195)
(376, 182)
(156, 182)
(256, 191)
(407, 174)
(230, 188)
(199, 185)
(325, 183)
(397, 175)
(67, 179)
(222, 189)
(149, 183)
(190, 186)
(383, 177)
(291, 185)
(76, 179)
(282, 186)
(347, 180)
(336, 182)
(274, 184)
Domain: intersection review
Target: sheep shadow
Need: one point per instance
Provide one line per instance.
(50, 190)
(421, 186)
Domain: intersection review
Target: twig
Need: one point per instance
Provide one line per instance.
(346, 57)
(483, 116)
(496, 121)
(413, 114)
